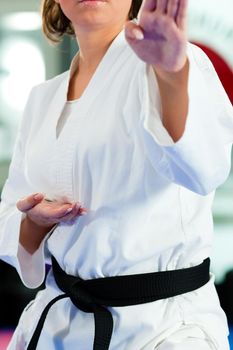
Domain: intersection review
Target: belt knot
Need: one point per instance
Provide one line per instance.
(97, 295)
(80, 297)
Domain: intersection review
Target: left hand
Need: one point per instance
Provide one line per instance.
(162, 24)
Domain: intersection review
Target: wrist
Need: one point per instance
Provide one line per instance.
(173, 78)
(31, 234)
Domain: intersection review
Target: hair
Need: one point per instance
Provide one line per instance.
(55, 24)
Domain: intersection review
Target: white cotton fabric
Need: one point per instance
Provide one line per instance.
(69, 109)
(148, 199)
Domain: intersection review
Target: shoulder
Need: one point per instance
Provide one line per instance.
(46, 89)
(198, 57)
(39, 99)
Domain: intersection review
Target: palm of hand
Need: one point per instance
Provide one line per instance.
(163, 27)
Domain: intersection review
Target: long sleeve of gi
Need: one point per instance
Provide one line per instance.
(31, 268)
(200, 160)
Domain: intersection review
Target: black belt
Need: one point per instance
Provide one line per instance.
(95, 295)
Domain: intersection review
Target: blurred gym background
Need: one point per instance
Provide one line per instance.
(27, 59)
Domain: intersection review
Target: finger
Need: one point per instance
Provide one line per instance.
(161, 6)
(29, 202)
(73, 214)
(78, 210)
(57, 213)
(83, 211)
(133, 32)
(68, 209)
(148, 5)
(172, 8)
(181, 18)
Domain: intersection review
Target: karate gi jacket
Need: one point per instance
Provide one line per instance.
(148, 198)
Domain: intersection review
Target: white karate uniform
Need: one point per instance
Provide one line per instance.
(148, 199)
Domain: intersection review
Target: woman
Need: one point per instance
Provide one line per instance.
(136, 135)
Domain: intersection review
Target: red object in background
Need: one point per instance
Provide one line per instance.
(224, 71)
(5, 337)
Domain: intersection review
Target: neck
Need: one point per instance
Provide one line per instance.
(93, 45)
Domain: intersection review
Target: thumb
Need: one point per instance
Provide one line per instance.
(29, 202)
(133, 31)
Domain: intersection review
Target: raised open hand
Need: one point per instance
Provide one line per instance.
(160, 36)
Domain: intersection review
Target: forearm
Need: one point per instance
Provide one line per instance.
(31, 235)
(173, 88)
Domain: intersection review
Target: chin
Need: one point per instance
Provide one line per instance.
(91, 21)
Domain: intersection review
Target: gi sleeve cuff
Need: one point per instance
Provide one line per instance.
(200, 159)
